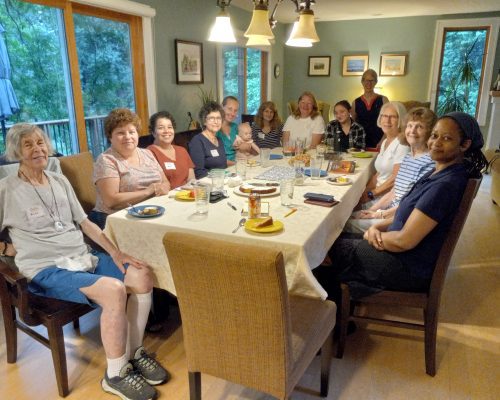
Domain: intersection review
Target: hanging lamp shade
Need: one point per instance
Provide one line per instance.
(222, 31)
(259, 25)
(256, 40)
(297, 42)
(306, 31)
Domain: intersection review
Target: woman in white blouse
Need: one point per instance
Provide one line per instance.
(391, 153)
(306, 123)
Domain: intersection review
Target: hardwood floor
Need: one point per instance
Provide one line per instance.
(379, 362)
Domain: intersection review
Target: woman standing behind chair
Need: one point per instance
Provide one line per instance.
(267, 128)
(366, 108)
(348, 133)
(125, 174)
(174, 160)
(391, 153)
(206, 151)
(306, 123)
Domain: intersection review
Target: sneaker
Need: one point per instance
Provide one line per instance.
(149, 368)
(129, 385)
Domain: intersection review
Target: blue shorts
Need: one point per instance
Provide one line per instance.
(62, 284)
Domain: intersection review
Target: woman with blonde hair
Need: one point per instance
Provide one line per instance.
(267, 128)
(306, 123)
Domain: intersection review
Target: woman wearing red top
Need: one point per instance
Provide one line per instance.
(174, 160)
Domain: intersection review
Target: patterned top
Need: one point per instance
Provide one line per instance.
(267, 140)
(111, 164)
(355, 137)
(410, 171)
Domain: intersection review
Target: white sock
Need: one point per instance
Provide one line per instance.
(138, 307)
(115, 365)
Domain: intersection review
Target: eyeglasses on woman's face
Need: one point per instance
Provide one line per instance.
(214, 119)
(388, 116)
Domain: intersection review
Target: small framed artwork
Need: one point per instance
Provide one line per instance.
(393, 64)
(353, 65)
(188, 62)
(319, 66)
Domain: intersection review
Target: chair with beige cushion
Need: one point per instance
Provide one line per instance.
(414, 103)
(323, 108)
(239, 322)
(78, 168)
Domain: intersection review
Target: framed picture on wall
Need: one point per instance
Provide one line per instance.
(393, 64)
(188, 62)
(353, 65)
(319, 66)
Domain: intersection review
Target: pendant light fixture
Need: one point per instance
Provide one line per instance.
(258, 41)
(305, 32)
(222, 31)
(259, 25)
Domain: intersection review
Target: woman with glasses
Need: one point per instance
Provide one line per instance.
(205, 149)
(366, 108)
(391, 153)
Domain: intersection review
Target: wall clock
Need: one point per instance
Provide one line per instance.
(277, 70)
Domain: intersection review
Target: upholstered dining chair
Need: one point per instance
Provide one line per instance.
(428, 302)
(239, 322)
(33, 310)
(323, 108)
(78, 168)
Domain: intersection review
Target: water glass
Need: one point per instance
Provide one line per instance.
(330, 145)
(217, 176)
(201, 197)
(300, 145)
(286, 191)
(320, 150)
(265, 155)
(316, 167)
(288, 148)
(241, 169)
(299, 172)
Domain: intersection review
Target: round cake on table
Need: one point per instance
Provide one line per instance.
(248, 188)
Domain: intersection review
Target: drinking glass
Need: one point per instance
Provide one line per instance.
(286, 191)
(299, 172)
(288, 148)
(320, 150)
(300, 145)
(217, 176)
(241, 169)
(201, 197)
(316, 167)
(264, 157)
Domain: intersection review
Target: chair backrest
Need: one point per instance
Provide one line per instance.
(414, 103)
(78, 168)
(235, 312)
(443, 261)
(324, 109)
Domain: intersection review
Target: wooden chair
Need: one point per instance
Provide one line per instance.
(33, 310)
(78, 168)
(239, 322)
(428, 302)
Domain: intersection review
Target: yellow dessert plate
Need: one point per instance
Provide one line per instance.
(251, 226)
(362, 154)
(184, 195)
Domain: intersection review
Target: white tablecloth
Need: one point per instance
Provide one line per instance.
(307, 236)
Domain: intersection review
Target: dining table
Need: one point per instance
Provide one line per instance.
(307, 235)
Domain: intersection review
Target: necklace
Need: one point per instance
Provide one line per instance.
(58, 225)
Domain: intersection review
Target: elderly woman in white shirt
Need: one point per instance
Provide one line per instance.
(306, 123)
(391, 153)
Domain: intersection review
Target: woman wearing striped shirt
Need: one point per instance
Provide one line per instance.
(267, 128)
(419, 124)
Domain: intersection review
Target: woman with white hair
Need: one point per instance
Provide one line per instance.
(45, 221)
(392, 152)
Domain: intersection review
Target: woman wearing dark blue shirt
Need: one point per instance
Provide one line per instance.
(206, 151)
(400, 253)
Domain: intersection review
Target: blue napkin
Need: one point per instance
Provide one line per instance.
(275, 156)
(323, 173)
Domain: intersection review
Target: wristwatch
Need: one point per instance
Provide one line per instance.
(2, 252)
(370, 195)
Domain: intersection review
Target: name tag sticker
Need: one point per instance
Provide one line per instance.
(214, 153)
(169, 165)
(35, 212)
(261, 135)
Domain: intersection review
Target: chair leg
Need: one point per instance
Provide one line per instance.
(56, 341)
(345, 307)
(194, 385)
(326, 361)
(430, 342)
(9, 322)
